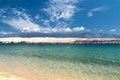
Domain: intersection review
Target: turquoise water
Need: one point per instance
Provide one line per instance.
(93, 62)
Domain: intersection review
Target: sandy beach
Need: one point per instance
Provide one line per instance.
(38, 40)
(6, 76)
(58, 40)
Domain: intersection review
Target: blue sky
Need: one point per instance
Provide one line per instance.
(47, 16)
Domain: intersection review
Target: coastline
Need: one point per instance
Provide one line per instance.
(53, 40)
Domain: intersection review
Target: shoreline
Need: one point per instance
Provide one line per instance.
(7, 76)
(53, 40)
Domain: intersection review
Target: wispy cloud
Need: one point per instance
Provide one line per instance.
(97, 9)
(23, 25)
(113, 30)
(100, 9)
(101, 30)
(63, 29)
(79, 29)
(4, 32)
(58, 9)
(59, 13)
(76, 29)
(37, 17)
(2, 11)
(22, 22)
(90, 14)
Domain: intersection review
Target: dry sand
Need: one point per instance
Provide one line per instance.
(50, 40)
(38, 40)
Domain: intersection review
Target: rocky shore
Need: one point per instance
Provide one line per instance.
(51, 40)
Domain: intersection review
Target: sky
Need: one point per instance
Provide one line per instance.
(60, 16)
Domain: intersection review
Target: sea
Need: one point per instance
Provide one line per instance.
(61, 61)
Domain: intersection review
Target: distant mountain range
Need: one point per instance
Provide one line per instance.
(79, 35)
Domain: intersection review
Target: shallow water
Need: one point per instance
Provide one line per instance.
(62, 61)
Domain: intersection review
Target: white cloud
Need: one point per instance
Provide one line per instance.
(90, 14)
(37, 16)
(58, 9)
(23, 25)
(62, 29)
(97, 9)
(76, 29)
(113, 30)
(22, 22)
(4, 32)
(68, 29)
(2, 11)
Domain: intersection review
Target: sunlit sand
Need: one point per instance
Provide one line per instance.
(58, 40)
(6, 76)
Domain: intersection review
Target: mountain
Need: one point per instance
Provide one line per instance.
(79, 35)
